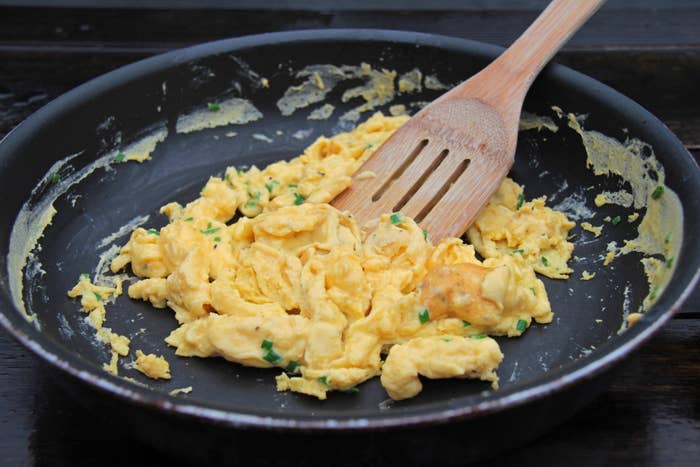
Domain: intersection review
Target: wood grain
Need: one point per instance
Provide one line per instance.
(470, 134)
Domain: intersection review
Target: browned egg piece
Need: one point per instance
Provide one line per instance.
(455, 292)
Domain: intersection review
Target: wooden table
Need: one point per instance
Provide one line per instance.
(648, 50)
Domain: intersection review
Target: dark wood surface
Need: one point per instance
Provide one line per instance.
(648, 50)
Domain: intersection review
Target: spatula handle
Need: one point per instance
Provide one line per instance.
(510, 75)
(550, 31)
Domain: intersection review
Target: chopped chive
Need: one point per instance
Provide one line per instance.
(292, 367)
(522, 325)
(667, 238)
(518, 250)
(616, 220)
(424, 316)
(292, 185)
(239, 171)
(210, 230)
(188, 219)
(119, 158)
(298, 199)
(56, 177)
(396, 218)
(85, 276)
(669, 262)
(351, 390)
(251, 203)
(323, 380)
(481, 335)
(654, 292)
(521, 200)
(153, 232)
(658, 191)
(272, 356)
(544, 260)
(98, 297)
(532, 289)
(447, 340)
(368, 145)
(217, 239)
(271, 185)
(266, 344)
(213, 107)
(466, 323)
(426, 235)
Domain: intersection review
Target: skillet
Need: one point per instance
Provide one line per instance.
(546, 375)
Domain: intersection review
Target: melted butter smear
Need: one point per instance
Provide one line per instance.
(37, 213)
(659, 235)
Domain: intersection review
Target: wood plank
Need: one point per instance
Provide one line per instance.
(610, 28)
(339, 5)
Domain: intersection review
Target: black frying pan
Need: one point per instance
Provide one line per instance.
(546, 375)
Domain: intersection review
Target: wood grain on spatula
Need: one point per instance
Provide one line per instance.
(446, 162)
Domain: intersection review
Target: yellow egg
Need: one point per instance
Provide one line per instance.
(294, 284)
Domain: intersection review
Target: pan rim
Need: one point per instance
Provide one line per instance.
(560, 380)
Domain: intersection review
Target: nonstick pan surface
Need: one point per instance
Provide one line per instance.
(119, 107)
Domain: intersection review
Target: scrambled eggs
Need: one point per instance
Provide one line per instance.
(297, 285)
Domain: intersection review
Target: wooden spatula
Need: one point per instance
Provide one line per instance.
(447, 161)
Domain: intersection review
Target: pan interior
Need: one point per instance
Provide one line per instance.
(588, 314)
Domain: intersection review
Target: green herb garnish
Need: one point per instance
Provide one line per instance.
(119, 158)
(396, 218)
(616, 220)
(544, 260)
(667, 239)
(153, 232)
(518, 250)
(426, 235)
(292, 366)
(271, 185)
(466, 323)
(532, 289)
(323, 380)
(210, 230)
(669, 262)
(56, 177)
(189, 219)
(424, 316)
(85, 276)
(292, 186)
(213, 107)
(272, 356)
(447, 340)
(217, 239)
(351, 390)
(481, 335)
(654, 292)
(658, 191)
(251, 203)
(98, 297)
(521, 200)
(266, 344)
(522, 325)
(368, 146)
(298, 199)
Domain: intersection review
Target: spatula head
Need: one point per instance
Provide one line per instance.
(440, 168)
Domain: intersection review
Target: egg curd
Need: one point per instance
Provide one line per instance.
(297, 285)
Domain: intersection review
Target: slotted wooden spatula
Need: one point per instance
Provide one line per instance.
(446, 162)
